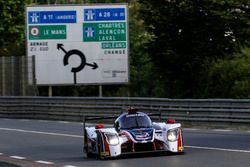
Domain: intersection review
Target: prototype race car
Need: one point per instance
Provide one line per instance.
(133, 132)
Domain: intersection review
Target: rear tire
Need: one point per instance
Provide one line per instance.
(86, 150)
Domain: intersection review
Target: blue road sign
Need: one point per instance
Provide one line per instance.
(89, 32)
(46, 17)
(104, 14)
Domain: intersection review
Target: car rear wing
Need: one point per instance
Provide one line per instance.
(155, 114)
(93, 118)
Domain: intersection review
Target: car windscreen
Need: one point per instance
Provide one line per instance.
(132, 121)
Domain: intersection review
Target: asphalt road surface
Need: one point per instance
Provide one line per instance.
(47, 143)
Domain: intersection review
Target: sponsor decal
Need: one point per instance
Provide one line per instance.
(142, 134)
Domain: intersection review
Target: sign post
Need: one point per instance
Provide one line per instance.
(86, 44)
(100, 90)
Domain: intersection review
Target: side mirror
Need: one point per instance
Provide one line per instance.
(99, 126)
(170, 121)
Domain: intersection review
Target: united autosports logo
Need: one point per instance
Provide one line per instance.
(142, 135)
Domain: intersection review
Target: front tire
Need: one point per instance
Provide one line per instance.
(100, 147)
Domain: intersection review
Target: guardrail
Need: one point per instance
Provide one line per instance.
(191, 111)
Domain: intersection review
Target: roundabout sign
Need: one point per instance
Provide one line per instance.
(85, 44)
(83, 62)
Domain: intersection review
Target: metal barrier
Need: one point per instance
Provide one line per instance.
(191, 111)
(17, 76)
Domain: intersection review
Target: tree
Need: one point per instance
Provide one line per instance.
(190, 34)
(230, 78)
(12, 13)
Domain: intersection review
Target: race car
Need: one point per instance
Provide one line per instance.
(133, 132)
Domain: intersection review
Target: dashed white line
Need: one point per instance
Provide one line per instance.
(45, 162)
(191, 129)
(222, 130)
(39, 132)
(25, 120)
(219, 149)
(64, 122)
(17, 157)
(43, 121)
(69, 166)
(1, 153)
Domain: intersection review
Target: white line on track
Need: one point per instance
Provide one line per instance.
(218, 149)
(64, 122)
(222, 130)
(17, 157)
(1, 153)
(76, 136)
(45, 162)
(69, 166)
(44, 121)
(24, 120)
(39, 132)
(191, 129)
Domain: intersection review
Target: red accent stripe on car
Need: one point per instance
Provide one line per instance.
(180, 144)
(106, 145)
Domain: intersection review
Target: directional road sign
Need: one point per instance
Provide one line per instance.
(85, 44)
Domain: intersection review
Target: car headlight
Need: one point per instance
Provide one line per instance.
(172, 135)
(112, 139)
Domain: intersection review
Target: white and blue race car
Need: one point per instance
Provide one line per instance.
(133, 132)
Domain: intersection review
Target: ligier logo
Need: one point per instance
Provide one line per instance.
(142, 135)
